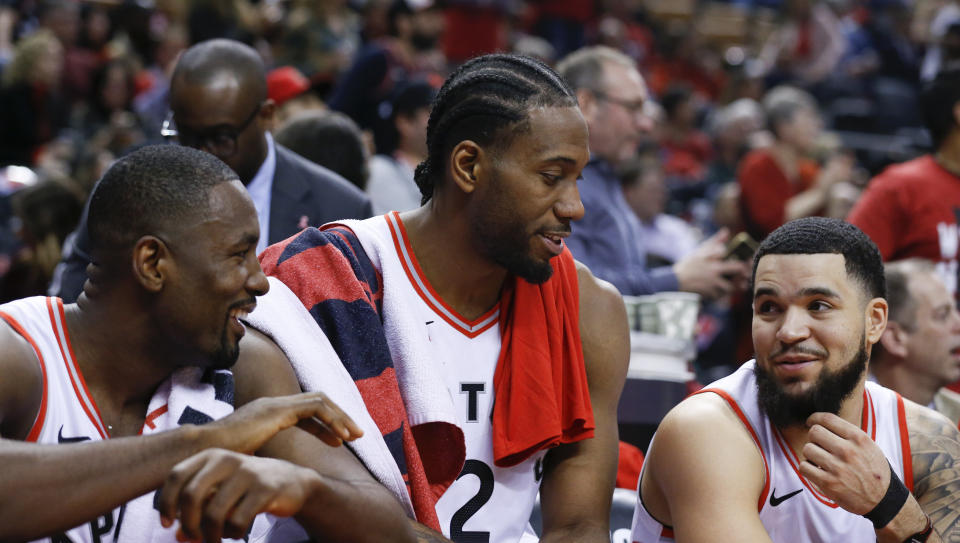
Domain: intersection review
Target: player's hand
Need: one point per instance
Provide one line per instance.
(218, 493)
(248, 428)
(844, 463)
(706, 272)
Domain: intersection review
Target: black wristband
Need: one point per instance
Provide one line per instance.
(890, 504)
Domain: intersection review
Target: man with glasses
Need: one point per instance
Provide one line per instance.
(612, 97)
(219, 104)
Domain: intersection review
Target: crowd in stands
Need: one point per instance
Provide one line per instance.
(759, 112)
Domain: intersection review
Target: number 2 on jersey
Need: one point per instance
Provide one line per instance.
(485, 474)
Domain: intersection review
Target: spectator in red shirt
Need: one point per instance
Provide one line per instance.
(910, 209)
(782, 183)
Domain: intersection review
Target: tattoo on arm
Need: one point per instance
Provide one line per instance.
(427, 535)
(935, 448)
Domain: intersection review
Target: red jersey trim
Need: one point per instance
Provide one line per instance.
(905, 445)
(152, 416)
(794, 462)
(469, 328)
(73, 370)
(868, 423)
(746, 422)
(37, 426)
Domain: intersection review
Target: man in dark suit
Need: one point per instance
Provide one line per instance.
(219, 104)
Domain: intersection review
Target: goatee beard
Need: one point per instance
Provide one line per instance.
(826, 395)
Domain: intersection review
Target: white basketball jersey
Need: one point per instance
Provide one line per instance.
(68, 413)
(791, 508)
(486, 503)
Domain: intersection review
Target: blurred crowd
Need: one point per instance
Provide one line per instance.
(757, 111)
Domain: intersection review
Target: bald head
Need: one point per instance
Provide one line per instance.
(210, 60)
(218, 96)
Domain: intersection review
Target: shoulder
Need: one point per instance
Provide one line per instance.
(21, 389)
(901, 176)
(702, 444)
(705, 415)
(927, 429)
(935, 458)
(755, 159)
(604, 331)
(262, 369)
(597, 297)
(319, 177)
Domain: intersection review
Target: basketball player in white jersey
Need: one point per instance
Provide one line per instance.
(506, 144)
(174, 234)
(797, 445)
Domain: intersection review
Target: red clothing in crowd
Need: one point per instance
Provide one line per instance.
(765, 190)
(687, 158)
(910, 210)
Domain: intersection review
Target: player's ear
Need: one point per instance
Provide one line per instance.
(876, 319)
(894, 340)
(151, 262)
(465, 165)
(268, 112)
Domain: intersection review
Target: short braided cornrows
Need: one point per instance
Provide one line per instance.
(480, 99)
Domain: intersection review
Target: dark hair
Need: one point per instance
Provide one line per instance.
(631, 171)
(330, 139)
(819, 235)
(674, 97)
(152, 187)
(937, 100)
(406, 100)
(482, 98)
(46, 208)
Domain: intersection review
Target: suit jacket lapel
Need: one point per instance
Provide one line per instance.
(289, 189)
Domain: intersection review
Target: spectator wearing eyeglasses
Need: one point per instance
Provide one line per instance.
(219, 104)
(609, 238)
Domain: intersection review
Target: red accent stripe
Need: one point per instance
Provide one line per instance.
(401, 241)
(42, 412)
(868, 399)
(794, 461)
(746, 422)
(905, 445)
(667, 532)
(152, 416)
(96, 420)
(864, 412)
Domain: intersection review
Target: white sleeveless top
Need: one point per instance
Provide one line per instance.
(68, 413)
(486, 503)
(790, 507)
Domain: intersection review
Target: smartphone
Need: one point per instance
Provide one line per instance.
(742, 247)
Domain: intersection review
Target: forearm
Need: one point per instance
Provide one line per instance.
(805, 204)
(46, 489)
(910, 520)
(582, 532)
(427, 535)
(344, 511)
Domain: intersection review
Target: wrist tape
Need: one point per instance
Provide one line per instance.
(890, 504)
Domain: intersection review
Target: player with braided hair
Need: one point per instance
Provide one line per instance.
(516, 82)
(531, 346)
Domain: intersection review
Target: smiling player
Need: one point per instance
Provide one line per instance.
(796, 445)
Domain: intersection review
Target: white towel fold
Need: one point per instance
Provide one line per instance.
(189, 396)
(281, 315)
(425, 395)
